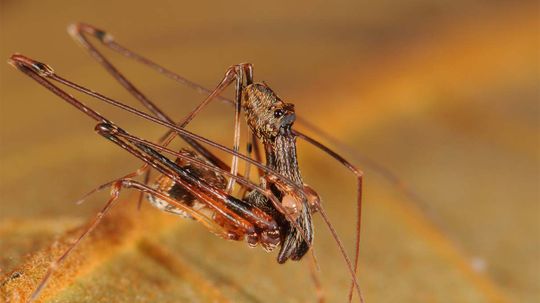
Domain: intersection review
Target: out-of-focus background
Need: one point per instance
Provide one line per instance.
(445, 94)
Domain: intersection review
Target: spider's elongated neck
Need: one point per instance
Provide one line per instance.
(271, 120)
(281, 156)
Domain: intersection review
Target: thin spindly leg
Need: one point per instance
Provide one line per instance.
(315, 277)
(116, 188)
(247, 168)
(366, 161)
(359, 176)
(237, 109)
(78, 32)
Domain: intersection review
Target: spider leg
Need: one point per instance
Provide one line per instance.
(359, 176)
(315, 277)
(131, 175)
(252, 147)
(116, 187)
(78, 32)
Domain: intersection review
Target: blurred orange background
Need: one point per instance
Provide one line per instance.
(443, 93)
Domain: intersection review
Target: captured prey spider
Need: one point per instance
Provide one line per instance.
(197, 184)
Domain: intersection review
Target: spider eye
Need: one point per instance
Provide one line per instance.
(278, 113)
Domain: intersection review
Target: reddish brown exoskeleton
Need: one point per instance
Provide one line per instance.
(277, 212)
